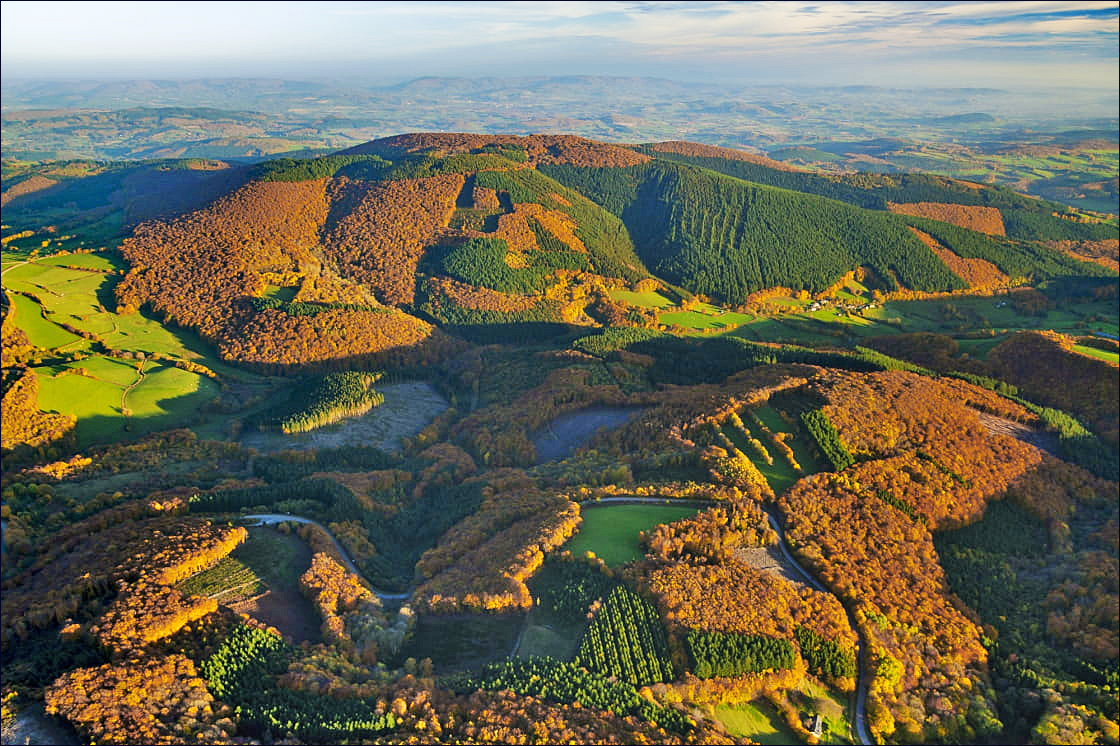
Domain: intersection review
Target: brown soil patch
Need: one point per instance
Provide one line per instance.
(287, 610)
(1042, 440)
(973, 217)
(771, 560)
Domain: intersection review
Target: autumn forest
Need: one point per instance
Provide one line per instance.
(457, 438)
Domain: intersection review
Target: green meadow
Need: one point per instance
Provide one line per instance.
(611, 531)
(1105, 355)
(760, 723)
(111, 400)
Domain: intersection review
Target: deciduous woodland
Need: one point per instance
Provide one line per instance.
(678, 444)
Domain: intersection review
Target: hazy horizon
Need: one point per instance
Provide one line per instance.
(1011, 46)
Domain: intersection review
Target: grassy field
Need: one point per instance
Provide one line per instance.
(40, 331)
(104, 262)
(82, 299)
(780, 474)
(832, 707)
(706, 318)
(611, 531)
(284, 294)
(801, 450)
(112, 402)
(1105, 355)
(760, 723)
(651, 299)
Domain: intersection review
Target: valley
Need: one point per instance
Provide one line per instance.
(450, 437)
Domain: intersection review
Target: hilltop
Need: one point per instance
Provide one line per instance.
(405, 236)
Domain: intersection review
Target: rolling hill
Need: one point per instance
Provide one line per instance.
(483, 232)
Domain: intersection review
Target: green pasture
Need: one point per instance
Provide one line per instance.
(760, 723)
(102, 262)
(11, 256)
(83, 300)
(280, 293)
(780, 475)
(166, 397)
(651, 299)
(709, 318)
(801, 450)
(702, 318)
(791, 322)
(1105, 355)
(611, 531)
(40, 331)
(814, 696)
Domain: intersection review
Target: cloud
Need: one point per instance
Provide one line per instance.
(714, 34)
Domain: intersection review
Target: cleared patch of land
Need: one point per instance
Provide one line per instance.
(261, 578)
(568, 433)
(408, 407)
(758, 722)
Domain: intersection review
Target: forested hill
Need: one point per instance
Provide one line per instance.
(402, 235)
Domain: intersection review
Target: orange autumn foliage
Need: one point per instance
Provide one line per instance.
(865, 532)
(193, 269)
(380, 239)
(338, 339)
(142, 700)
(119, 551)
(340, 596)
(326, 288)
(480, 298)
(483, 562)
(735, 597)
(711, 151)
(30, 185)
(202, 269)
(1044, 367)
(973, 217)
(24, 423)
(711, 536)
(569, 149)
(1105, 253)
(978, 273)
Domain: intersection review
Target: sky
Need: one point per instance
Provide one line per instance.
(902, 44)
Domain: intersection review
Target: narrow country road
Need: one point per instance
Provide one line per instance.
(861, 670)
(268, 519)
(862, 734)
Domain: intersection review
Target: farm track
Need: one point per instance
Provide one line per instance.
(128, 389)
(862, 735)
